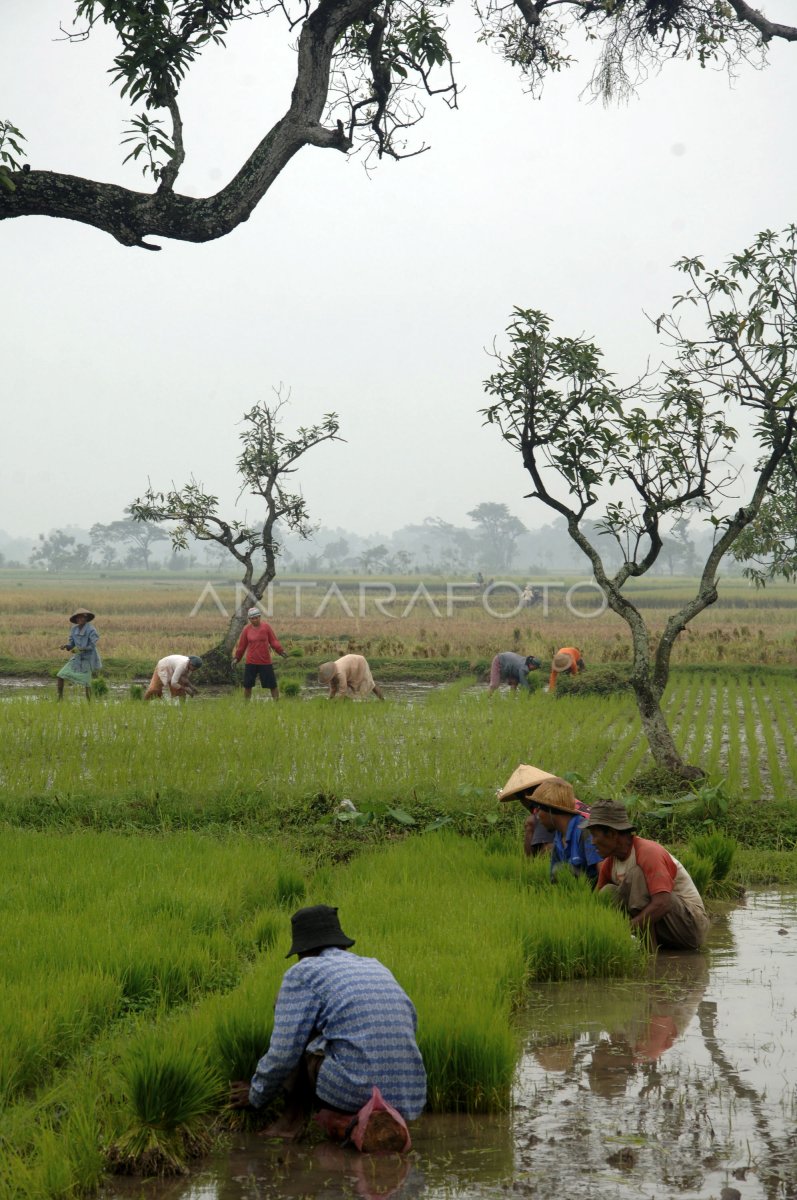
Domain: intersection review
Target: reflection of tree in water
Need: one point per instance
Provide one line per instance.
(780, 1170)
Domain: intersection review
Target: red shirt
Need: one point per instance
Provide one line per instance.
(256, 640)
(658, 866)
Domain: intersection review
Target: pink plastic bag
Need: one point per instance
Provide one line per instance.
(377, 1126)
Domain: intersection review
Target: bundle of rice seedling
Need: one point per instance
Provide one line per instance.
(171, 1092)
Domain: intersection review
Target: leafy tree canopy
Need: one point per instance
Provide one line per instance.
(642, 457)
(364, 71)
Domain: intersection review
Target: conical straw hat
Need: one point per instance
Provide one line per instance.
(523, 779)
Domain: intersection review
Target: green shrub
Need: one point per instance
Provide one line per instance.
(658, 781)
(604, 681)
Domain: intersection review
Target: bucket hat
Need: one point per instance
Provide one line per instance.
(523, 779)
(316, 927)
(610, 813)
(557, 795)
(562, 662)
(81, 612)
(195, 661)
(254, 611)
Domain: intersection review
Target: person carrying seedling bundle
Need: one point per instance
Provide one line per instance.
(343, 1042)
(83, 638)
(173, 672)
(567, 661)
(512, 669)
(523, 785)
(256, 640)
(349, 674)
(645, 881)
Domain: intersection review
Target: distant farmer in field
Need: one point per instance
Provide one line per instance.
(343, 1040)
(256, 640)
(562, 814)
(83, 638)
(174, 672)
(646, 881)
(348, 675)
(522, 785)
(508, 667)
(567, 661)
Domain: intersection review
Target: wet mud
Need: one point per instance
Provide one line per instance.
(683, 1085)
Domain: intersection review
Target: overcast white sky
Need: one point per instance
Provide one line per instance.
(374, 297)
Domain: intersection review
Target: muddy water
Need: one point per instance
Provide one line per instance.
(683, 1086)
(40, 689)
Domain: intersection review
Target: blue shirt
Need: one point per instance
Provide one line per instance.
(351, 1010)
(513, 667)
(576, 849)
(85, 642)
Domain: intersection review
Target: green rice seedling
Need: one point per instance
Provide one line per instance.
(171, 1092)
(470, 1065)
(262, 933)
(99, 686)
(290, 888)
(700, 869)
(241, 1039)
(719, 850)
(291, 688)
(136, 691)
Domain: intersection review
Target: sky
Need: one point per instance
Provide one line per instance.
(376, 295)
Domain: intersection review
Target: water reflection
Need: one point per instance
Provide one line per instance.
(678, 1086)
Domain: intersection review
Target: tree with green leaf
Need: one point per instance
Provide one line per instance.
(268, 459)
(658, 450)
(364, 71)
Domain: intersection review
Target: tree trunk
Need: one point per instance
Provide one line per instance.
(663, 750)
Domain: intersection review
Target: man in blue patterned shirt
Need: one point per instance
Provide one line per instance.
(342, 1026)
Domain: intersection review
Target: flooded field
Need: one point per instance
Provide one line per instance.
(685, 1086)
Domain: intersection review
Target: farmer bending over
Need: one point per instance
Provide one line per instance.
(567, 661)
(174, 672)
(342, 1027)
(349, 674)
(511, 668)
(646, 881)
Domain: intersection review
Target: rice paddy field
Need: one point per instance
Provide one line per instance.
(151, 855)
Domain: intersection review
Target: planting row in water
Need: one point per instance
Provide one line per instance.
(123, 765)
(145, 969)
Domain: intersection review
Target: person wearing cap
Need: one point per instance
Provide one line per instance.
(562, 814)
(349, 675)
(522, 785)
(646, 881)
(174, 672)
(256, 642)
(567, 661)
(508, 667)
(342, 1026)
(82, 641)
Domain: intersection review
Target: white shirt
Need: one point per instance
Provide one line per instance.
(171, 669)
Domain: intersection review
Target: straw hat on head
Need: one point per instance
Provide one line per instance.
(326, 672)
(81, 612)
(523, 779)
(562, 662)
(556, 794)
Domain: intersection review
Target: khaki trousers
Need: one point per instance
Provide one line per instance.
(679, 929)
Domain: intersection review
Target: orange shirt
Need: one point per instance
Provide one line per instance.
(575, 654)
